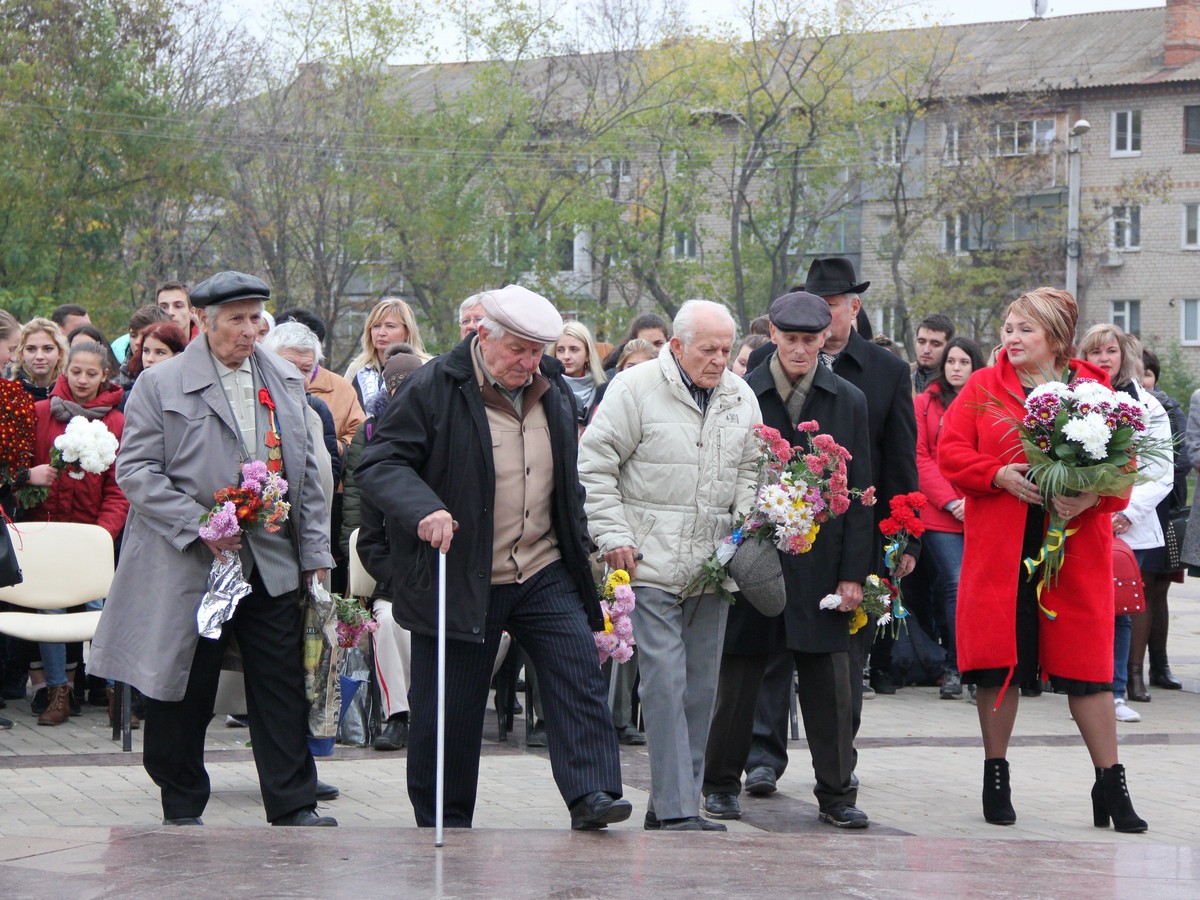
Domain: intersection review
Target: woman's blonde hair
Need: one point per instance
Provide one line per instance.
(37, 325)
(580, 332)
(1131, 350)
(398, 309)
(1056, 311)
(8, 325)
(633, 348)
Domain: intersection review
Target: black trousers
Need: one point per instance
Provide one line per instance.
(545, 614)
(269, 632)
(772, 705)
(825, 706)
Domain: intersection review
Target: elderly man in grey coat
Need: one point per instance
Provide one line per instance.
(189, 425)
(668, 463)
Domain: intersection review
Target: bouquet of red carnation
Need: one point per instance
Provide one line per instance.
(900, 527)
(17, 430)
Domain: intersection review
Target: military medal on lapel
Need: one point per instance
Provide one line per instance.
(273, 441)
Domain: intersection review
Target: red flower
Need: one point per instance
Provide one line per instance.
(889, 526)
(264, 397)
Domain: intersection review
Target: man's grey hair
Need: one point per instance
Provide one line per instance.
(494, 329)
(294, 336)
(684, 325)
(472, 301)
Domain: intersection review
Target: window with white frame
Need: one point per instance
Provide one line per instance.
(1191, 226)
(1190, 324)
(950, 144)
(897, 145)
(1126, 228)
(685, 244)
(1127, 132)
(886, 246)
(1023, 137)
(957, 234)
(621, 169)
(1126, 315)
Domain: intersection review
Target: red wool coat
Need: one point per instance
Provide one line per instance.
(931, 413)
(94, 499)
(975, 443)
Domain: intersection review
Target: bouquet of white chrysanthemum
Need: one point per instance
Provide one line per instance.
(86, 446)
(1079, 437)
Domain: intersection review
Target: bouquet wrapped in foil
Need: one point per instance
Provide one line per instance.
(226, 586)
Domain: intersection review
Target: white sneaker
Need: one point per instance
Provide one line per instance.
(1124, 712)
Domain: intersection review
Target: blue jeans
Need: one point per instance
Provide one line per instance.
(945, 549)
(1122, 638)
(54, 656)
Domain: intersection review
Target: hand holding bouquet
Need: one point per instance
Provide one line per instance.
(617, 602)
(85, 447)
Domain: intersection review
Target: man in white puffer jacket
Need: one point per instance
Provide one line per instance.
(669, 462)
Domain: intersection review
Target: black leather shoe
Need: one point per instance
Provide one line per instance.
(844, 815)
(393, 737)
(630, 736)
(327, 791)
(722, 806)
(692, 823)
(537, 736)
(760, 781)
(598, 809)
(881, 682)
(184, 820)
(306, 816)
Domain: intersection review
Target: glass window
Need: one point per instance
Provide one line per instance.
(1126, 315)
(1191, 226)
(685, 244)
(1126, 228)
(1191, 129)
(1127, 132)
(1191, 322)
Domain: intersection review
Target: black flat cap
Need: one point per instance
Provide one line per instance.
(833, 275)
(225, 287)
(800, 311)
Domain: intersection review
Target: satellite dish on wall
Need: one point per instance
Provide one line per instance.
(1040, 7)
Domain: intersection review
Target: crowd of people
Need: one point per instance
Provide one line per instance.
(538, 458)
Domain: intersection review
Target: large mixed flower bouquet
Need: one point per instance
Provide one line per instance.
(353, 621)
(1081, 437)
(798, 490)
(616, 640)
(256, 502)
(17, 430)
(85, 447)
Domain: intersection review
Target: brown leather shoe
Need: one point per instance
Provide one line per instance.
(58, 708)
(112, 711)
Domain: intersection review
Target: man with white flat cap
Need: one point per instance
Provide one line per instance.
(476, 456)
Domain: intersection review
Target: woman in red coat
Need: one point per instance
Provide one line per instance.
(83, 390)
(1002, 637)
(943, 517)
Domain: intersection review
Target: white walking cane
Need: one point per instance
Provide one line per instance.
(440, 792)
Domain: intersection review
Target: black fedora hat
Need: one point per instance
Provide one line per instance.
(833, 275)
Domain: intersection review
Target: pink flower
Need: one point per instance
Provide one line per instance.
(809, 427)
(868, 496)
(221, 524)
(839, 503)
(622, 653)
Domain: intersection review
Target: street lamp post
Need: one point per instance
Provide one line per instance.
(1074, 153)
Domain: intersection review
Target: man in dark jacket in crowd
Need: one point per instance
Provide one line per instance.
(794, 387)
(476, 458)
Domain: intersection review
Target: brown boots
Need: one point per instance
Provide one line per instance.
(112, 711)
(58, 709)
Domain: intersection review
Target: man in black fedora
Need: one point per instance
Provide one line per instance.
(892, 429)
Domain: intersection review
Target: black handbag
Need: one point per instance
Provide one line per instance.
(1174, 532)
(10, 569)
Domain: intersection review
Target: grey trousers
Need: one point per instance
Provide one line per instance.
(680, 650)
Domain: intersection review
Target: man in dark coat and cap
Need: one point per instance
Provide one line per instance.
(793, 387)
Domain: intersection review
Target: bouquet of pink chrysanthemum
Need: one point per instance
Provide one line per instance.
(616, 640)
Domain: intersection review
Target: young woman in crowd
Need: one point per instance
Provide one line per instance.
(581, 364)
(85, 389)
(649, 327)
(943, 517)
(87, 332)
(1150, 628)
(635, 352)
(161, 341)
(1002, 637)
(41, 357)
(737, 363)
(139, 324)
(391, 321)
(1119, 356)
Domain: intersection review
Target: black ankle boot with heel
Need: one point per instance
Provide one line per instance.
(997, 795)
(1110, 799)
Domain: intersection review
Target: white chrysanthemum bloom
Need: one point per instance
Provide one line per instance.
(774, 503)
(1091, 432)
(1050, 387)
(1091, 392)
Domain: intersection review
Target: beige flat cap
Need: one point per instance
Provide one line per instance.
(522, 313)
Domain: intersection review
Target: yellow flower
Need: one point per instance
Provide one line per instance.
(608, 625)
(615, 579)
(858, 619)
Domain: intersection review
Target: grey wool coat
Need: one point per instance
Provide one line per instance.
(181, 446)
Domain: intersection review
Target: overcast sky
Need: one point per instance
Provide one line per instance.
(255, 13)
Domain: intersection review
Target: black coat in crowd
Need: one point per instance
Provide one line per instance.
(432, 450)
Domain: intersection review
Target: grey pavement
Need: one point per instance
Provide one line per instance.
(920, 769)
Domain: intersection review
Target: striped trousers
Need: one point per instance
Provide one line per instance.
(545, 614)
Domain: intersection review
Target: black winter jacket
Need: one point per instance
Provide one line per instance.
(432, 450)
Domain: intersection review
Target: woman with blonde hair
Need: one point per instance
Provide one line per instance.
(41, 357)
(391, 321)
(1002, 638)
(582, 367)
